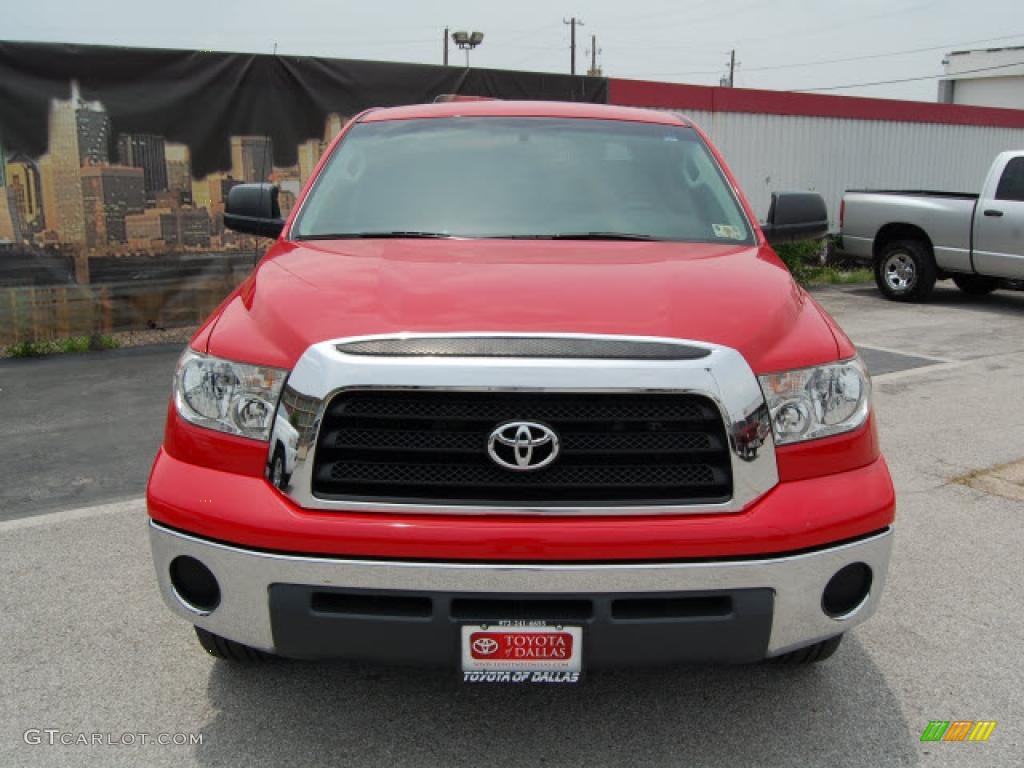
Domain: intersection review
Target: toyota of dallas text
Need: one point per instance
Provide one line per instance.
(521, 389)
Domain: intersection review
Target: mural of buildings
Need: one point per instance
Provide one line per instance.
(10, 222)
(93, 126)
(252, 157)
(179, 171)
(144, 198)
(25, 185)
(163, 229)
(332, 127)
(61, 166)
(309, 156)
(145, 151)
(211, 193)
(109, 194)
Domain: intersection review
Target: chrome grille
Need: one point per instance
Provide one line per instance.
(406, 446)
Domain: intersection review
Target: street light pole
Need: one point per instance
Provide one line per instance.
(445, 43)
(467, 41)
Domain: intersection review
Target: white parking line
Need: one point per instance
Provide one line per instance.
(904, 353)
(65, 515)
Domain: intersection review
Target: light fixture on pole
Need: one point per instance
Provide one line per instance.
(467, 41)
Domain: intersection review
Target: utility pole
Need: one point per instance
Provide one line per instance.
(732, 67)
(573, 22)
(446, 46)
(595, 70)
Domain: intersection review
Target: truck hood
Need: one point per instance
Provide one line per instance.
(739, 296)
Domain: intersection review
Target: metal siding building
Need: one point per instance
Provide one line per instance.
(839, 143)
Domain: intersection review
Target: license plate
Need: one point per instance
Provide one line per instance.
(521, 653)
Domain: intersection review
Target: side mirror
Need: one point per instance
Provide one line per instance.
(254, 210)
(796, 216)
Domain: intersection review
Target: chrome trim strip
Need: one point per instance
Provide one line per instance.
(243, 613)
(723, 376)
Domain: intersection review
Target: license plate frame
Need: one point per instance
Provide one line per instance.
(521, 652)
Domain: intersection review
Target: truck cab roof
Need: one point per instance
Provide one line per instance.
(496, 108)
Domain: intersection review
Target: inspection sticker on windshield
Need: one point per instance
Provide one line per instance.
(727, 231)
(521, 652)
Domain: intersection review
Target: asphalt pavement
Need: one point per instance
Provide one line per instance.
(89, 652)
(77, 430)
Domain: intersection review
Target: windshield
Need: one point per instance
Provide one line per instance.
(494, 177)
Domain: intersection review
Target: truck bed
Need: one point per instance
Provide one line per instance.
(916, 193)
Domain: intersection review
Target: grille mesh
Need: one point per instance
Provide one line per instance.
(431, 447)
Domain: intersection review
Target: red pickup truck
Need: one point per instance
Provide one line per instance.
(521, 388)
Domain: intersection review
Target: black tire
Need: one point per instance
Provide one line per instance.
(905, 270)
(812, 654)
(279, 476)
(976, 285)
(222, 648)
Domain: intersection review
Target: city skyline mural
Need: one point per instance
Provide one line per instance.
(115, 165)
(135, 192)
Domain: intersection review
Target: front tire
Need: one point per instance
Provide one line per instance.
(812, 654)
(222, 648)
(976, 285)
(905, 270)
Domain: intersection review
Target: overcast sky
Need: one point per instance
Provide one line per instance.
(681, 41)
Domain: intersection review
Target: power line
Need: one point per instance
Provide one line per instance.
(909, 79)
(633, 19)
(838, 61)
(843, 24)
(883, 55)
(715, 17)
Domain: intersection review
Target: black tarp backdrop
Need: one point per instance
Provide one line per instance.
(199, 99)
(109, 278)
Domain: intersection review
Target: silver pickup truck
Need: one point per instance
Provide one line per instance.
(913, 238)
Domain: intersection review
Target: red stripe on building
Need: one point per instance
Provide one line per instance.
(646, 93)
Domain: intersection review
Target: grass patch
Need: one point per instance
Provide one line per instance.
(804, 260)
(837, 276)
(69, 345)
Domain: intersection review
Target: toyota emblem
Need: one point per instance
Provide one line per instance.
(485, 646)
(523, 445)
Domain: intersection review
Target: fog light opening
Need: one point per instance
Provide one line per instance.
(846, 591)
(194, 585)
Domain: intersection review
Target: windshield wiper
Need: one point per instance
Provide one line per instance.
(601, 236)
(374, 235)
(584, 236)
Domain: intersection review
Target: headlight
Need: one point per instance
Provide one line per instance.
(817, 402)
(237, 398)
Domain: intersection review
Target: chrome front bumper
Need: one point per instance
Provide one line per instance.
(245, 577)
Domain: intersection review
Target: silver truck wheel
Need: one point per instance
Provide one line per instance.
(905, 270)
(900, 272)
